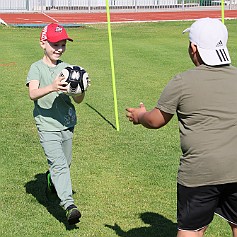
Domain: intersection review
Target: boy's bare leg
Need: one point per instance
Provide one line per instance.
(187, 233)
(234, 229)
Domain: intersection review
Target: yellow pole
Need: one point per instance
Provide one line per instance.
(112, 65)
(223, 11)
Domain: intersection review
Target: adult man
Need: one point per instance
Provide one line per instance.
(204, 99)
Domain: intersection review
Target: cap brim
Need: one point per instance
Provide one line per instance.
(215, 57)
(186, 30)
(52, 40)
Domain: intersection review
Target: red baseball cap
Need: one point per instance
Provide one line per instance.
(54, 33)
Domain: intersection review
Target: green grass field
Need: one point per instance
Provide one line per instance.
(124, 182)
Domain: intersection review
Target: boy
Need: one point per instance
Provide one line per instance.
(55, 115)
(204, 99)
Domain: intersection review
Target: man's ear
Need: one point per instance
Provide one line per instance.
(193, 47)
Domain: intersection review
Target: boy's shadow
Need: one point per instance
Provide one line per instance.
(159, 226)
(37, 188)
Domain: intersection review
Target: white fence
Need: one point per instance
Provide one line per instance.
(116, 5)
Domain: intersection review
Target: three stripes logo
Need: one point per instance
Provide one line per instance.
(221, 52)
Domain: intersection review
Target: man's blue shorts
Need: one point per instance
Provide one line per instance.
(196, 206)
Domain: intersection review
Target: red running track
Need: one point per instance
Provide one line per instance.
(88, 18)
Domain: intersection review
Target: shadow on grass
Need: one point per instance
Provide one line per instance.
(37, 188)
(102, 116)
(159, 226)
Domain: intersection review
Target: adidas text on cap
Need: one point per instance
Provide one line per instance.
(54, 33)
(210, 36)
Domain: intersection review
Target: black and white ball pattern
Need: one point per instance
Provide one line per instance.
(77, 79)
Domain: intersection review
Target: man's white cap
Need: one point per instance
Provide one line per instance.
(210, 36)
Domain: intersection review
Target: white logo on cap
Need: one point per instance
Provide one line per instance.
(58, 29)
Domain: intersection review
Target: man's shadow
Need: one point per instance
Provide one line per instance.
(37, 188)
(159, 226)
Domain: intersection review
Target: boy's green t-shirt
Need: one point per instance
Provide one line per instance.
(55, 111)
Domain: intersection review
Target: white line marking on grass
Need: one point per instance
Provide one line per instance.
(3, 22)
(49, 17)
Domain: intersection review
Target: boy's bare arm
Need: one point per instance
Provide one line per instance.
(150, 119)
(36, 93)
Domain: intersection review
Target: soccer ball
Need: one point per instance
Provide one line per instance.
(77, 79)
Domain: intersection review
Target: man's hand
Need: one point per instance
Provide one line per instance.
(153, 119)
(133, 114)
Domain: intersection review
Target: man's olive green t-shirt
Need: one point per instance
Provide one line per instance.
(205, 100)
(55, 111)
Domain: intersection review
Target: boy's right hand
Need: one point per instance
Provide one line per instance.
(59, 85)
